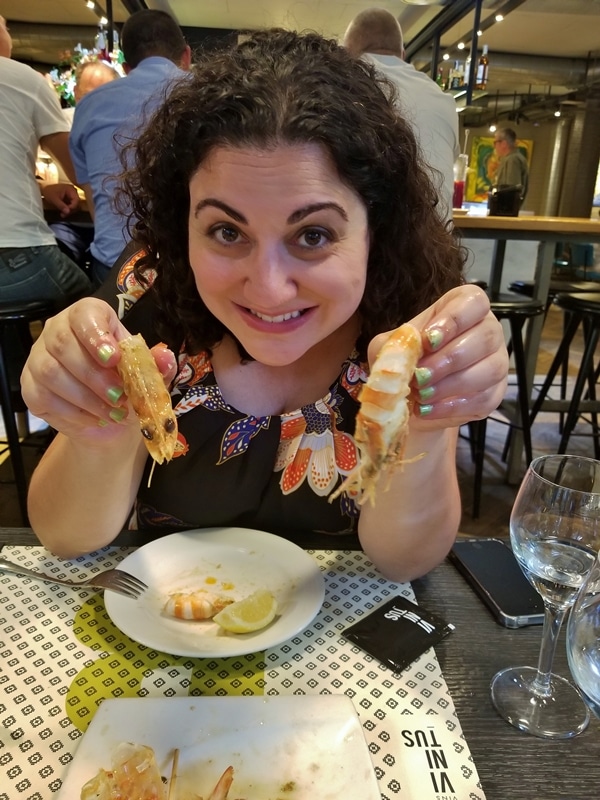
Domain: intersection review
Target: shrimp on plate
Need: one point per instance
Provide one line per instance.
(196, 605)
(382, 420)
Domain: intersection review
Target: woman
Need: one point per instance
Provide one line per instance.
(286, 227)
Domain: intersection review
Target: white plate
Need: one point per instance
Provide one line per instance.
(313, 744)
(239, 559)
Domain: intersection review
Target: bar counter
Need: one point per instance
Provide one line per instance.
(547, 231)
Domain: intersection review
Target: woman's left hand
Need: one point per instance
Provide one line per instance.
(462, 375)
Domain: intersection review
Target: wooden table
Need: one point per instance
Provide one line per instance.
(511, 764)
(547, 231)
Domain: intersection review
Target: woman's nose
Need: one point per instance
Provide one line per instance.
(269, 281)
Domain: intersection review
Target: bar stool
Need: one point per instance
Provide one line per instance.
(15, 318)
(517, 312)
(583, 308)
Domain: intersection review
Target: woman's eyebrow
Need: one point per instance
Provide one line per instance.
(212, 201)
(301, 213)
(295, 217)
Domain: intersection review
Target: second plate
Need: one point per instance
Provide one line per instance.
(229, 561)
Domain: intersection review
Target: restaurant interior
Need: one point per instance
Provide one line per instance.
(426, 730)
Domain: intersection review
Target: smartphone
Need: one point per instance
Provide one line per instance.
(491, 568)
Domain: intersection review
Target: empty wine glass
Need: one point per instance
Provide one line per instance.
(555, 535)
(583, 639)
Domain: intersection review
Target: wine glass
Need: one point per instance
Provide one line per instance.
(555, 535)
(583, 639)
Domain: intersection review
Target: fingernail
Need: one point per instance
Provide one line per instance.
(105, 351)
(422, 375)
(117, 414)
(435, 337)
(425, 410)
(102, 423)
(427, 393)
(114, 393)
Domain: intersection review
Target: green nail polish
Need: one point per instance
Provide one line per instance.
(435, 337)
(114, 393)
(102, 423)
(422, 375)
(427, 393)
(105, 351)
(425, 410)
(117, 414)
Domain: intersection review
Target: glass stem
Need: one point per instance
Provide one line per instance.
(553, 620)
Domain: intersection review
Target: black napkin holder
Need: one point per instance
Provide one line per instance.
(398, 632)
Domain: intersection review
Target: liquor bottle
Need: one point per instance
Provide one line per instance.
(440, 78)
(482, 69)
(457, 76)
(467, 71)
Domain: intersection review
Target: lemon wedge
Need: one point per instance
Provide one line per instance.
(250, 614)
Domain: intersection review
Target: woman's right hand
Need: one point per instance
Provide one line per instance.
(70, 379)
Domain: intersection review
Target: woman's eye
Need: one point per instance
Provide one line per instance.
(226, 234)
(314, 237)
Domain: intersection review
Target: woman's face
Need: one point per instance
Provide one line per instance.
(278, 246)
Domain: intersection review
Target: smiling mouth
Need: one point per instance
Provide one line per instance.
(278, 318)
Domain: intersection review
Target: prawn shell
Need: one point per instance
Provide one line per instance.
(199, 605)
(146, 391)
(382, 420)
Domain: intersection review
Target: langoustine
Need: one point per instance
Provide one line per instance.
(198, 605)
(382, 420)
(149, 397)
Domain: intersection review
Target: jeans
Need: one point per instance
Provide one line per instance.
(40, 273)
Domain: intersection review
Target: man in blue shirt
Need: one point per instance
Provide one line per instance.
(156, 56)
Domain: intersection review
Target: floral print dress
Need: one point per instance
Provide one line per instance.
(271, 473)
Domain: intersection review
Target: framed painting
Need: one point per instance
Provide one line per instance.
(483, 165)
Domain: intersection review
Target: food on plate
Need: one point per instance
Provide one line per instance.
(382, 420)
(134, 775)
(250, 614)
(196, 605)
(147, 393)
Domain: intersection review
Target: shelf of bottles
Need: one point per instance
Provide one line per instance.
(455, 80)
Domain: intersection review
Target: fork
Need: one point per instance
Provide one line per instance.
(117, 580)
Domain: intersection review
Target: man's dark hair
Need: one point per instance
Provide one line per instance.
(151, 33)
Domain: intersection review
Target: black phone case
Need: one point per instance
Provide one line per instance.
(492, 570)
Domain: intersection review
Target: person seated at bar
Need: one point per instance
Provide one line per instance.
(156, 55)
(31, 265)
(285, 226)
(75, 238)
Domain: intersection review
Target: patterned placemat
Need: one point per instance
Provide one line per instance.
(61, 655)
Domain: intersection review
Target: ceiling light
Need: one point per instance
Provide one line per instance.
(103, 21)
(479, 33)
(492, 128)
(90, 4)
(557, 112)
(461, 45)
(446, 57)
(498, 17)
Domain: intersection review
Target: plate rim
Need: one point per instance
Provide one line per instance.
(219, 535)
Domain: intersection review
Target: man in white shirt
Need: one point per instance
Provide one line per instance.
(375, 35)
(32, 267)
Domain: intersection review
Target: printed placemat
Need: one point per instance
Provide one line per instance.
(60, 656)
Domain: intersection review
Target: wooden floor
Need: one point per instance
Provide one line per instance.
(497, 495)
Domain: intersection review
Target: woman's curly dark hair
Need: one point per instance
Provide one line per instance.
(280, 87)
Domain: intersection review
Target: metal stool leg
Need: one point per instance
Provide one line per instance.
(582, 376)
(12, 435)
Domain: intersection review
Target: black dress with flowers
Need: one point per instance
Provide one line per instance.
(272, 473)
